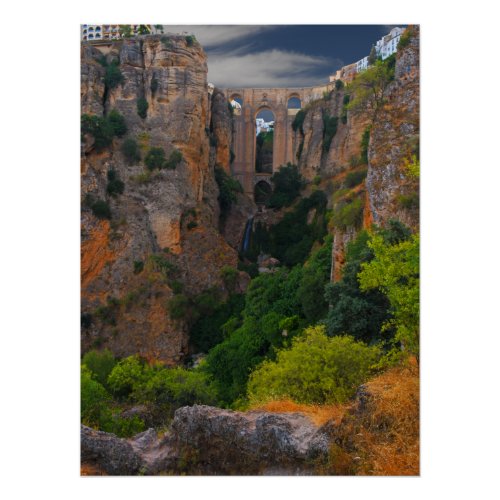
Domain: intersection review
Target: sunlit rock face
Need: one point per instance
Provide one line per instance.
(173, 214)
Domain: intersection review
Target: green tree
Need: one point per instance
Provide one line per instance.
(95, 400)
(228, 189)
(113, 76)
(131, 151)
(287, 184)
(115, 186)
(125, 30)
(142, 107)
(117, 122)
(316, 369)
(127, 376)
(143, 29)
(394, 271)
(100, 363)
(372, 58)
(155, 158)
(368, 88)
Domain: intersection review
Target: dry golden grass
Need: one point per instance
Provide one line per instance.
(381, 439)
(384, 438)
(318, 414)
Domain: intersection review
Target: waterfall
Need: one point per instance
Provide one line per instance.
(248, 231)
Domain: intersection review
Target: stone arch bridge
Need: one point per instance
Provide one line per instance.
(244, 140)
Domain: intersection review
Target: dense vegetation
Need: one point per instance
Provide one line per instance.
(103, 128)
(287, 184)
(228, 189)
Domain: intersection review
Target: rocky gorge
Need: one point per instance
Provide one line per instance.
(166, 233)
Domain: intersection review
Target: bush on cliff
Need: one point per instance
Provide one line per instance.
(142, 107)
(395, 272)
(100, 364)
(228, 188)
(316, 369)
(131, 151)
(287, 184)
(113, 76)
(155, 158)
(117, 122)
(115, 186)
(103, 128)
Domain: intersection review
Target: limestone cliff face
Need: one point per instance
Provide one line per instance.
(164, 228)
(345, 144)
(394, 138)
(221, 130)
(388, 192)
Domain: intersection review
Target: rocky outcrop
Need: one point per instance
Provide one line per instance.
(345, 145)
(221, 130)
(394, 139)
(164, 227)
(207, 440)
(116, 456)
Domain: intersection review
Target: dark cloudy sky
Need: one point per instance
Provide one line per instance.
(283, 55)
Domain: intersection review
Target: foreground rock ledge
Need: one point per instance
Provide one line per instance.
(207, 440)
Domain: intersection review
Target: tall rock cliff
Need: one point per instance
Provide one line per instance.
(328, 145)
(393, 192)
(162, 236)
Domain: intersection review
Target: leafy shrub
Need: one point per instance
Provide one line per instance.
(404, 40)
(158, 263)
(99, 128)
(228, 187)
(409, 201)
(94, 401)
(298, 121)
(207, 331)
(174, 159)
(130, 150)
(178, 306)
(142, 107)
(348, 214)
(352, 311)
(317, 180)
(101, 209)
(179, 387)
(330, 124)
(115, 186)
(365, 141)
(345, 103)
(176, 286)
(167, 42)
(230, 277)
(287, 184)
(155, 158)
(138, 266)
(117, 122)
(113, 76)
(316, 369)
(395, 271)
(100, 364)
(127, 376)
(339, 84)
(354, 178)
(190, 40)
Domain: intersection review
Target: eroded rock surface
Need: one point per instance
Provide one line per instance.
(208, 440)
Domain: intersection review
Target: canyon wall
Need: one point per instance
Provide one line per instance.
(163, 232)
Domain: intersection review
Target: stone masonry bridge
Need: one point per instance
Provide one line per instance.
(244, 140)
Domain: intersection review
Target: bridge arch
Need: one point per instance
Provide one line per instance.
(276, 100)
(262, 191)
